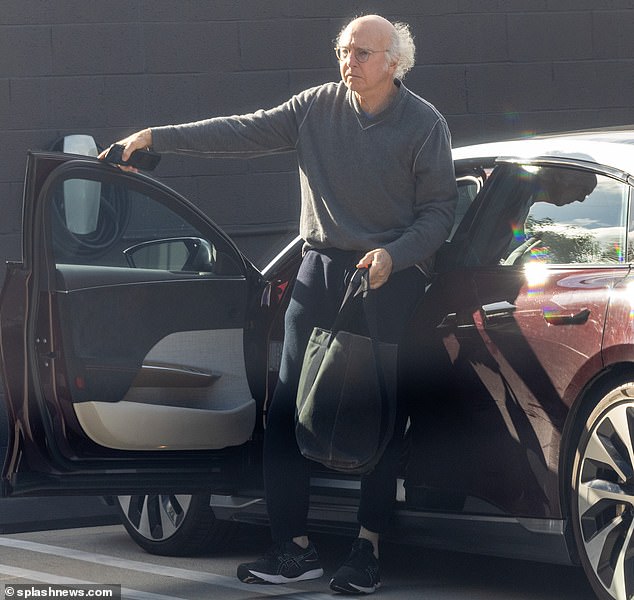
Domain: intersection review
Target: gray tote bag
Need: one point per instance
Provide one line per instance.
(346, 400)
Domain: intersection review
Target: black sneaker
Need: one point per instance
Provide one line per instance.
(283, 563)
(360, 573)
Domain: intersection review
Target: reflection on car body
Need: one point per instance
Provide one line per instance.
(139, 348)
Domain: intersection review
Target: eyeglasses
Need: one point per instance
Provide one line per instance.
(361, 54)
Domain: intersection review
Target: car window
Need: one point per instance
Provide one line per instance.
(551, 215)
(468, 188)
(106, 223)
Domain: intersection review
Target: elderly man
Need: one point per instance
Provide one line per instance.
(377, 191)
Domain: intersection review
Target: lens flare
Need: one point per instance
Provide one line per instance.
(619, 252)
(540, 254)
(518, 232)
(536, 274)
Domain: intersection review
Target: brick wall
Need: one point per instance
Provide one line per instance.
(495, 68)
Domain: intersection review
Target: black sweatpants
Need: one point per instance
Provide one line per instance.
(315, 300)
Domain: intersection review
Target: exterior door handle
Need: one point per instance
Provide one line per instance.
(559, 318)
(498, 311)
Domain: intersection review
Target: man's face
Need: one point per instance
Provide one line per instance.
(376, 73)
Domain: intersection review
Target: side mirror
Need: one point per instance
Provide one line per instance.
(79, 144)
(82, 197)
(186, 254)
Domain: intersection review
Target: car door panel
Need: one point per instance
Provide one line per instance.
(123, 365)
(202, 405)
(202, 343)
(109, 329)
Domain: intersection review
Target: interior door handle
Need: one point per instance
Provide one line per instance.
(559, 318)
(454, 321)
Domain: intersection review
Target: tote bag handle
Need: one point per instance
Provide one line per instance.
(359, 285)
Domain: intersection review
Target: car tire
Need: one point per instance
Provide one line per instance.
(602, 494)
(174, 525)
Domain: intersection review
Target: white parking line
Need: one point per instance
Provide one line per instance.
(60, 580)
(163, 570)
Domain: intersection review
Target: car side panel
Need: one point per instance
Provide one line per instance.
(618, 344)
(499, 376)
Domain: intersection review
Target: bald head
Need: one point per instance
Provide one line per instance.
(375, 23)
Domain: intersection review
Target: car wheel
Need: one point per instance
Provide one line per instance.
(173, 525)
(602, 498)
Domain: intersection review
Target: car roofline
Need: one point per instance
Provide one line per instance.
(611, 153)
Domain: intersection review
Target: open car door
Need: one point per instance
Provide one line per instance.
(122, 337)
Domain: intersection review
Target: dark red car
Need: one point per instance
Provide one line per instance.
(139, 347)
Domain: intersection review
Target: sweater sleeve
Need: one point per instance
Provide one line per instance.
(242, 136)
(434, 203)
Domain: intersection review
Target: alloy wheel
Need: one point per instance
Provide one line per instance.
(155, 517)
(603, 495)
(174, 524)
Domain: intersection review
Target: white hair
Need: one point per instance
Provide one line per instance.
(402, 49)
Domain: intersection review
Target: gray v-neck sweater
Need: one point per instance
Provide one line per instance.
(366, 182)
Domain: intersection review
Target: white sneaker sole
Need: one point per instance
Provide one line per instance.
(351, 588)
(268, 578)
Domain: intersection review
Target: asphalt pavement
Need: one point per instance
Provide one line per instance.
(107, 555)
(55, 512)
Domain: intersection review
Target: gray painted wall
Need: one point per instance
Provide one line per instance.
(495, 68)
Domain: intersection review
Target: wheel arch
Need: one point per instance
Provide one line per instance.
(605, 381)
